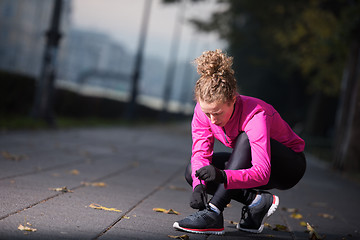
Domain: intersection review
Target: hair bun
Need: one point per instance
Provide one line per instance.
(214, 64)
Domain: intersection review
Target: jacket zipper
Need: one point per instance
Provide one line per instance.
(225, 135)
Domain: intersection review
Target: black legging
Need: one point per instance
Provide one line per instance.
(287, 168)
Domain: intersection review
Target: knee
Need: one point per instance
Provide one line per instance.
(188, 177)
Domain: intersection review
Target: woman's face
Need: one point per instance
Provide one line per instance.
(219, 113)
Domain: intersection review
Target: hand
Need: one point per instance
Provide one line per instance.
(196, 200)
(210, 173)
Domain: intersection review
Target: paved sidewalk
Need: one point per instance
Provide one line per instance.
(142, 168)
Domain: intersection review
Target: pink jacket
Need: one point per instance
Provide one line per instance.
(260, 121)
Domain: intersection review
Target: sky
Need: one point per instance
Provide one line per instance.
(121, 20)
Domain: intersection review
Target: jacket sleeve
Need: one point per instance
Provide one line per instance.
(258, 131)
(203, 143)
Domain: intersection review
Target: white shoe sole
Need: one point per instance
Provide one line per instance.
(200, 231)
(271, 210)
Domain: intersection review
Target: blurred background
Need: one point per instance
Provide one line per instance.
(108, 62)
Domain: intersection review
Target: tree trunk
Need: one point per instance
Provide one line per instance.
(347, 142)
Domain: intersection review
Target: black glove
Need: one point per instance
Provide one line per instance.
(210, 173)
(196, 200)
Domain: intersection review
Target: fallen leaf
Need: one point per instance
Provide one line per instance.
(99, 184)
(170, 211)
(232, 222)
(268, 225)
(303, 224)
(61, 189)
(281, 228)
(12, 157)
(94, 184)
(296, 216)
(125, 217)
(290, 210)
(74, 172)
(325, 215)
(182, 237)
(313, 235)
(278, 227)
(98, 206)
(26, 228)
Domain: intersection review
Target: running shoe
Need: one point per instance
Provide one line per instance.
(205, 222)
(253, 216)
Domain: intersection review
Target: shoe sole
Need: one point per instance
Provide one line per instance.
(220, 231)
(270, 212)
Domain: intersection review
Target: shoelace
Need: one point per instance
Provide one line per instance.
(245, 211)
(204, 195)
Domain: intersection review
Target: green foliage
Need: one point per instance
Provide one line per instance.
(307, 37)
(288, 50)
(312, 44)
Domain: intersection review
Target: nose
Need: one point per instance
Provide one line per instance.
(212, 119)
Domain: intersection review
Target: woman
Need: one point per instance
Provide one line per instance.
(266, 154)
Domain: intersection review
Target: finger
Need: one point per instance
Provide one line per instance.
(200, 173)
(204, 177)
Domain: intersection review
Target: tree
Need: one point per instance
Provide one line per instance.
(297, 50)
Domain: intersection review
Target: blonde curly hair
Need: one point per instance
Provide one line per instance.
(217, 81)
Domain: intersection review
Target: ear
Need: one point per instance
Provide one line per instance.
(234, 100)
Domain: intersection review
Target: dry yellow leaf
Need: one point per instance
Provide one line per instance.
(268, 225)
(325, 215)
(232, 222)
(94, 184)
(98, 206)
(125, 217)
(26, 228)
(313, 235)
(170, 211)
(182, 237)
(296, 216)
(303, 224)
(12, 157)
(74, 172)
(61, 189)
(280, 227)
(290, 210)
(99, 184)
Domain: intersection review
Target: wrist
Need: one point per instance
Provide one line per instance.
(224, 176)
